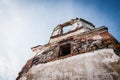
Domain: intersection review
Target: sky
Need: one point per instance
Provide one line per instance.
(28, 23)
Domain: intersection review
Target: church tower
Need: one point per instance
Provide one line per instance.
(77, 37)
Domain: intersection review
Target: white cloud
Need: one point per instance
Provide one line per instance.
(14, 36)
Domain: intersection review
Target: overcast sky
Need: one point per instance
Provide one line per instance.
(27, 23)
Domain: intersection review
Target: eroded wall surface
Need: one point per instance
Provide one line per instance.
(83, 53)
(82, 43)
(102, 64)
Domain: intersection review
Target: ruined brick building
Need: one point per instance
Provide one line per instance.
(82, 39)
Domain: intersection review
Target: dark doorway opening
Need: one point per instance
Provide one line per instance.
(65, 49)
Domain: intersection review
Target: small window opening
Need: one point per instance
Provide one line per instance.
(67, 28)
(65, 49)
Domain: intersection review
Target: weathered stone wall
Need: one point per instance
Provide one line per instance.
(102, 64)
(80, 43)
